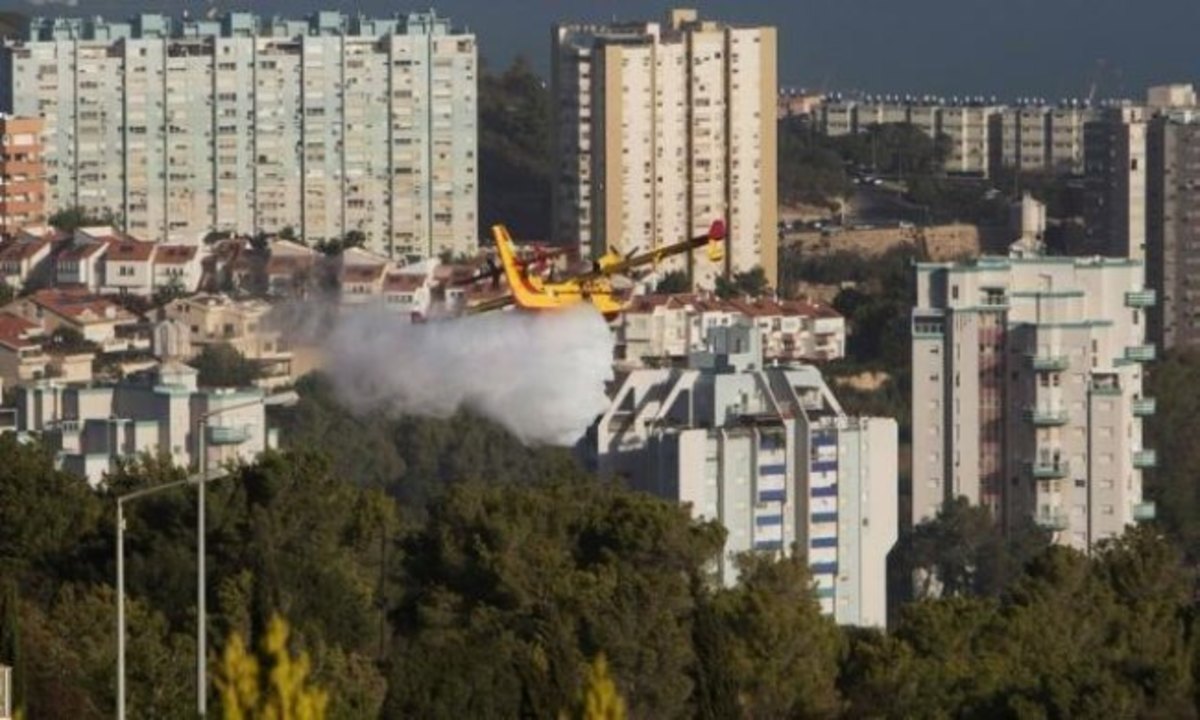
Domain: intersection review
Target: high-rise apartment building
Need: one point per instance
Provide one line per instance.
(1172, 233)
(22, 174)
(1116, 180)
(661, 129)
(330, 125)
(1027, 391)
(768, 452)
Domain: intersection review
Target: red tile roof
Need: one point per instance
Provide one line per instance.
(22, 248)
(288, 264)
(131, 251)
(80, 306)
(14, 329)
(400, 282)
(761, 307)
(361, 273)
(175, 254)
(82, 250)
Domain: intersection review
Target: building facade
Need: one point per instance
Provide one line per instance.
(661, 129)
(1116, 182)
(330, 125)
(1172, 235)
(22, 174)
(1040, 138)
(91, 428)
(983, 139)
(1027, 392)
(665, 330)
(769, 453)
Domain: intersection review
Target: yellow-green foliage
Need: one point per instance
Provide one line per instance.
(601, 700)
(272, 685)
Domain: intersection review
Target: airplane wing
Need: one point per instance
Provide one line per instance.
(716, 233)
(488, 305)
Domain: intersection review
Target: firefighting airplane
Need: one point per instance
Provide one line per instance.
(528, 290)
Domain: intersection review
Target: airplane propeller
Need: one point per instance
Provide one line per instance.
(492, 271)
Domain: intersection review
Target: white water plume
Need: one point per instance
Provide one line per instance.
(540, 375)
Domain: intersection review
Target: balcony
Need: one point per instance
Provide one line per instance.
(1050, 363)
(1144, 407)
(1140, 353)
(1144, 511)
(1046, 417)
(1050, 469)
(1141, 299)
(1055, 520)
(228, 434)
(1143, 459)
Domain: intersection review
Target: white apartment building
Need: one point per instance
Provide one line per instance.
(769, 453)
(667, 329)
(90, 428)
(243, 124)
(1027, 391)
(661, 129)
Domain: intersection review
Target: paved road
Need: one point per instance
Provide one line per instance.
(881, 206)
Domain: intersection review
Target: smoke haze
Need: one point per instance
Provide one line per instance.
(540, 375)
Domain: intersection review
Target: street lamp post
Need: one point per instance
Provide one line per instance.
(285, 398)
(121, 578)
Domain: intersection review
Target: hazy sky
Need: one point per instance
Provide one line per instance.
(1008, 48)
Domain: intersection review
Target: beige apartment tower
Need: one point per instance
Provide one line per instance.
(660, 129)
(22, 175)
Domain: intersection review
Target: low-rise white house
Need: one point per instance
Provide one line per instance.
(28, 257)
(129, 267)
(95, 318)
(177, 266)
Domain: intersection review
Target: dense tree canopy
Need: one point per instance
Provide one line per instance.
(72, 218)
(751, 283)
(515, 168)
(1175, 383)
(470, 577)
(221, 365)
